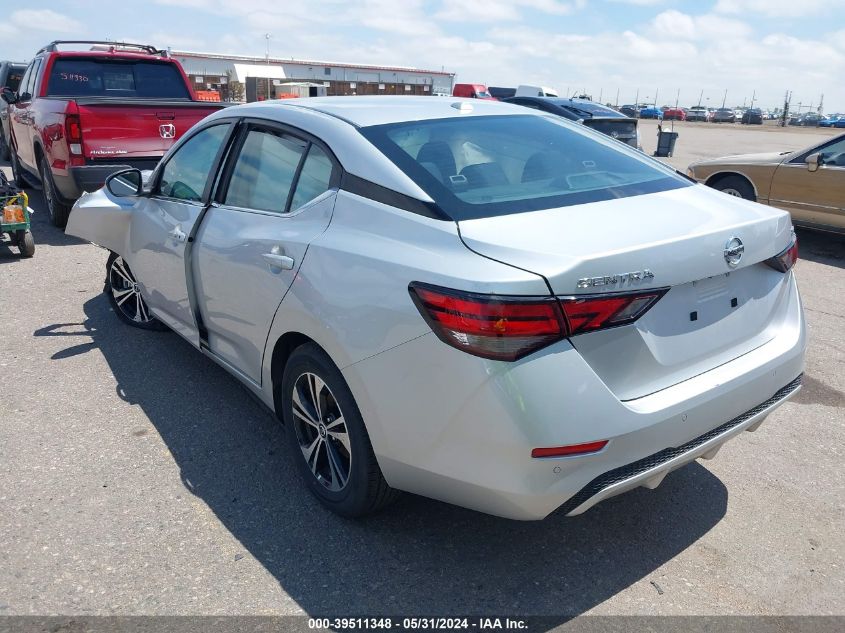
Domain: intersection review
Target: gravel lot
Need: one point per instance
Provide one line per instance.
(137, 477)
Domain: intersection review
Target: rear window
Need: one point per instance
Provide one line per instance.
(72, 77)
(13, 79)
(478, 167)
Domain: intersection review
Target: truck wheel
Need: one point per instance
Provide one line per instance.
(328, 438)
(58, 210)
(26, 243)
(125, 296)
(17, 172)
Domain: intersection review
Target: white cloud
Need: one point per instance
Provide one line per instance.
(779, 8)
(501, 10)
(641, 3)
(674, 24)
(45, 20)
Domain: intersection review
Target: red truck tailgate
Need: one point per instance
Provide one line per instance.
(113, 128)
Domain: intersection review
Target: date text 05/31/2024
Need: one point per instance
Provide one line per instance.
(480, 624)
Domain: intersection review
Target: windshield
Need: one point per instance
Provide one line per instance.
(483, 166)
(481, 94)
(75, 77)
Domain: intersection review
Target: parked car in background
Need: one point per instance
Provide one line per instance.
(472, 91)
(675, 114)
(724, 115)
(79, 116)
(829, 121)
(839, 124)
(807, 183)
(431, 299)
(752, 116)
(10, 78)
(498, 92)
(630, 111)
(811, 119)
(535, 91)
(698, 113)
(651, 112)
(594, 115)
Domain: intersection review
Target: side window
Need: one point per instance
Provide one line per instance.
(264, 171)
(834, 154)
(186, 173)
(314, 179)
(22, 93)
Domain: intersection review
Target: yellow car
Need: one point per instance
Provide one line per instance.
(809, 183)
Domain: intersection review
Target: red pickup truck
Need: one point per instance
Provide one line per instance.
(79, 116)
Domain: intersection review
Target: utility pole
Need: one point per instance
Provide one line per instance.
(601, 94)
(821, 104)
(656, 92)
(267, 57)
(701, 96)
(637, 99)
(753, 97)
(725, 98)
(784, 117)
(617, 97)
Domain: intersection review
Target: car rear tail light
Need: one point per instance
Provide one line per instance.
(508, 328)
(598, 312)
(786, 259)
(569, 451)
(490, 326)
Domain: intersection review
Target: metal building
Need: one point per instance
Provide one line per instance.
(243, 78)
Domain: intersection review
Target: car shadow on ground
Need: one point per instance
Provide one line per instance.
(821, 247)
(418, 557)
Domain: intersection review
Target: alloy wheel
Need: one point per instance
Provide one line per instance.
(732, 192)
(127, 293)
(321, 432)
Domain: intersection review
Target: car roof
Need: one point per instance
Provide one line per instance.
(363, 111)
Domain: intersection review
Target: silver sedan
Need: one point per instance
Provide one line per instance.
(462, 299)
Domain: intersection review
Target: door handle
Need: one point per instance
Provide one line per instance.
(178, 234)
(278, 261)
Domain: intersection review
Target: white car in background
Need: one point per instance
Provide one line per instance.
(471, 301)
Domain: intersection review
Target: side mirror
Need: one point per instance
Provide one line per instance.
(8, 95)
(813, 161)
(126, 183)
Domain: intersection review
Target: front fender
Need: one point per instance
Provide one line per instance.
(103, 220)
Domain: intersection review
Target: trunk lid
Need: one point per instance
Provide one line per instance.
(680, 237)
(131, 129)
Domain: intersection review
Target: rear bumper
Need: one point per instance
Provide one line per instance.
(651, 470)
(91, 177)
(460, 429)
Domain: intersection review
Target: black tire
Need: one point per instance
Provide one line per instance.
(59, 211)
(13, 238)
(4, 147)
(25, 243)
(736, 186)
(125, 296)
(17, 171)
(364, 491)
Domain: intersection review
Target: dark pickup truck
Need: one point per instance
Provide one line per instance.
(79, 116)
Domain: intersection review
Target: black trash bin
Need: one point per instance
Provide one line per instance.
(665, 143)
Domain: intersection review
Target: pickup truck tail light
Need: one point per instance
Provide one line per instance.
(73, 132)
(786, 259)
(508, 328)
